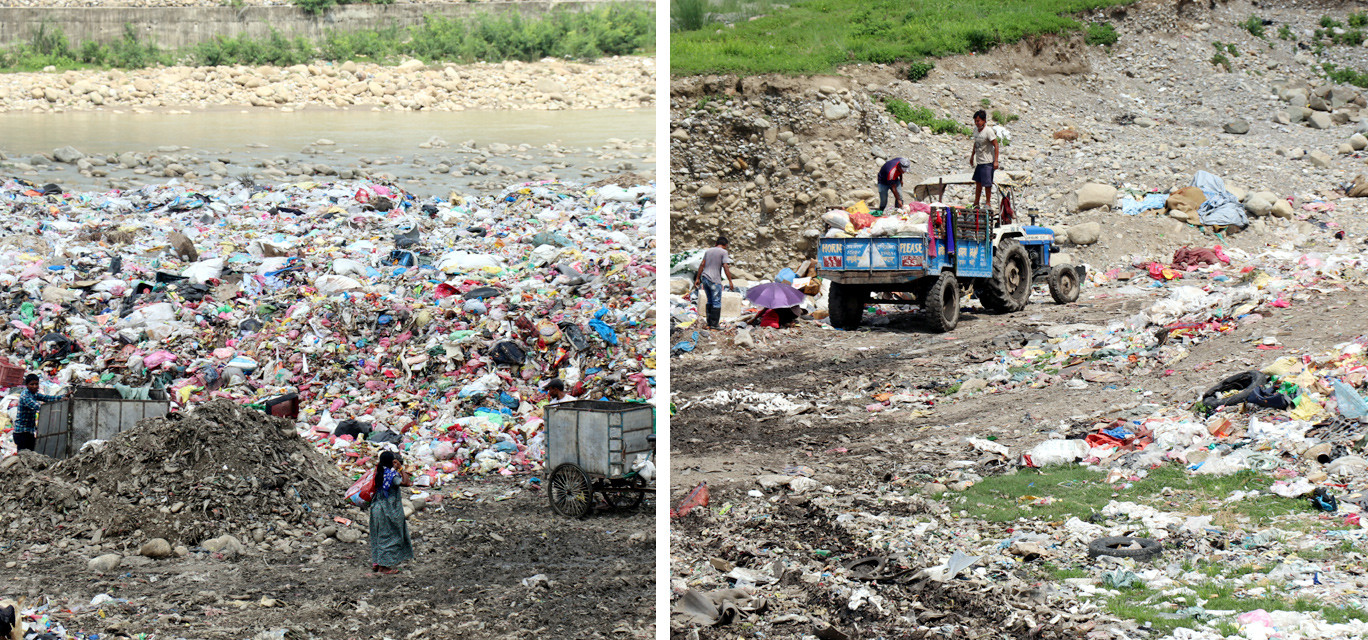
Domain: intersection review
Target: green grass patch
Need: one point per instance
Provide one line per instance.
(917, 71)
(1004, 118)
(1345, 76)
(1326, 22)
(710, 103)
(924, 118)
(576, 35)
(1149, 607)
(1254, 25)
(817, 36)
(1358, 19)
(1102, 34)
(1221, 60)
(1284, 32)
(1075, 491)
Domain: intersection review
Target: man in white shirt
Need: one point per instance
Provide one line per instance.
(984, 158)
(716, 261)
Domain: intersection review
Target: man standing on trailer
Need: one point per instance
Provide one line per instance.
(984, 158)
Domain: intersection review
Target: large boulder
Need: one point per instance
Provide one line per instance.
(1282, 208)
(1320, 120)
(157, 548)
(1358, 142)
(1319, 159)
(835, 110)
(1086, 233)
(67, 155)
(106, 563)
(1259, 204)
(1093, 195)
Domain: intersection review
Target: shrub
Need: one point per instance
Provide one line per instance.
(918, 71)
(981, 41)
(1004, 118)
(924, 117)
(1254, 25)
(1329, 23)
(688, 15)
(1284, 32)
(1221, 61)
(315, 6)
(1358, 19)
(1101, 33)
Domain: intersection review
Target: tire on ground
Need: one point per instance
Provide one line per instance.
(1243, 384)
(845, 304)
(943, 303)
(1063, 284)
(1108, 546)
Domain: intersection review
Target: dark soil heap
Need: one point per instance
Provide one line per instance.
(222, 468)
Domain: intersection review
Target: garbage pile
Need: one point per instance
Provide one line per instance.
(428, 325)
(221, 468)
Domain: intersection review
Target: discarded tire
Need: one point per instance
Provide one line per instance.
(1243, 384)
(1116, 547)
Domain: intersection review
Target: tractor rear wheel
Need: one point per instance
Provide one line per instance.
(943, 303)
(1010, 286)
(846, 303)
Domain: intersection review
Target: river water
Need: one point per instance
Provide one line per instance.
(247, 137)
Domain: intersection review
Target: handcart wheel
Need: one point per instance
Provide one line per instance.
(569, 491)
(628, 497)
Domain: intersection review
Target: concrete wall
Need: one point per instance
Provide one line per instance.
(176, 27)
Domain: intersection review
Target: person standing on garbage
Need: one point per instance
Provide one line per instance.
(716, 261)
(26, 418)
(983, 158)
(890, 179)
(389, 536)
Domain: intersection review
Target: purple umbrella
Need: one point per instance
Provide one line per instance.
(775, 295)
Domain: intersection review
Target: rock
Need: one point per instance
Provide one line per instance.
(183, 246)
(547, 85)
(348, 535)
(913, 127)
(1282, 208)
(105, 563)
(67, 155)
(1093, 195)
(1317, 103)
(1145, 122)
(1086, 233)
(679, 134)
(773, 481)
(1358, 141)
(1320, 120)
(707, 191)
(680, 286)
(1344, 149)
(835, 110)
(1240, 194)
(1319, 159)
(769, 205)
(225, 544)
(934, 488)
(1298, 114)
(157, 548)
(1282, 117)
(1259, 204)
(410, 65)
(1237, 127)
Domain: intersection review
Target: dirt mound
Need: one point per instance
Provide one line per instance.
(222, 468)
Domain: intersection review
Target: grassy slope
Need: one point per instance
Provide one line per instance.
(816, 36)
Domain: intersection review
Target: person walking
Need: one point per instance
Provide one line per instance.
(890, 179)
(983, 158)
(389, 536)
(26, 417)
(716, 261)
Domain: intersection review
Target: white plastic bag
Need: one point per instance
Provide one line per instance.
(1053, 452)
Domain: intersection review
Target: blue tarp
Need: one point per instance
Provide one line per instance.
(1221, 207)
(1136, 207)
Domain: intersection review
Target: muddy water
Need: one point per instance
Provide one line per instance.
(385, 138)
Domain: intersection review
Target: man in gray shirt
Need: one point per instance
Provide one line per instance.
(984, 158)
(716, 261)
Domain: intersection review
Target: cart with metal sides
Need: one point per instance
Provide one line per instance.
(591, 446)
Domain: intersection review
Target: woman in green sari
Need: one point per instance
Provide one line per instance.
(389, 536)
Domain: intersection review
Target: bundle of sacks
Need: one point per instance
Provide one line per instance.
(856, 221)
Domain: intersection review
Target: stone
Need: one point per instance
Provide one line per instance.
(157, 548)
(547, 85)
(1298, 114)
(1240, 194)
(707, 191)
(1282, 208)
(934, 488)
(1282, 117)
(1093, 195)
(1259, 204)
(105, 563)
(770, 205)
(1344, 149)
(773, 481)
(410, 65)
(67, 155)
(679, 134)
(1320, 120)
(1086, 233)
(835, 110)
(1142, 121)
(1319, 159)
(1358, 141)
(225, 544)
(1237, 127)
(348, 535)
(680, 286)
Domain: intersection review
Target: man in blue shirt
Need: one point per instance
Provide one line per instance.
(26, 419)
(890, 179)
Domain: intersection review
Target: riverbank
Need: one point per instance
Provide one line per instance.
(609, 83)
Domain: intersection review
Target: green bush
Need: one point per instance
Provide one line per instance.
(1329, 23)
(1004, 118)
(1221, 60)
(1358, 19)
(1284, 32)
(917, 71)
(924, 117)
(1254, 25)
(688, 15)
(1101, 33)
(981, 41)
(1352, 37)
(1345, 76)
(315, 6)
